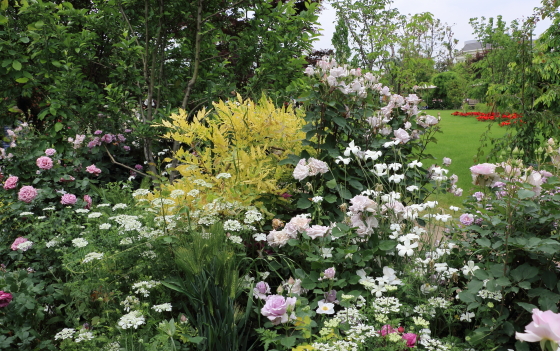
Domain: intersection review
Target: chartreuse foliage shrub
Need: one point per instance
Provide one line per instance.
(235, 149)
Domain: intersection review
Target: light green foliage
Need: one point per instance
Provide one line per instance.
(450, 91)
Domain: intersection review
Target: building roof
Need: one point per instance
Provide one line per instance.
(474, 45)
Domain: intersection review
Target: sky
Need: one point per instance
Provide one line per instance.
(456, 12)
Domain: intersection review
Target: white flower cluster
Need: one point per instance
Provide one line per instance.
(119, 207)
(193, 193)
(144, 286)
(223, 175)
(140, 192)
(160, 202)
(129, 302)
(350, 315)
(386, 304)
(79, 242)
(25, 245)
(127, 222)
(149, 254)
(126, 241)
(235, 239)
(202, 182)
(438, 302)
(425, 310)
(486, 294)
(133, 319)
(95, 215)
(105, 226)
(176, 193)
(360, 332)
(103, 205)
(433, 344)
(252, 216)
(65, 333)
(54, 241)
(232, 225)
(84, 335)
(26, 214)
(163, 307)
(147, 233)
(92, 256)
(82, 210)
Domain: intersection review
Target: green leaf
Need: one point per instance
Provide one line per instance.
(356, 185)
(24, 40)
(288, 341)
(527, 306)
(484, 242)
(525, 194)
(387, 245)
(4, 5)
(331, 184)
(466, 296)
(330, 198)
(58, 126)
(39, 24)
(345, 194)
(22, 80)
(16, 65)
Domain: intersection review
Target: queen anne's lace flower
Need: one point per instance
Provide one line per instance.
(92, 256)
(133, 319)
(163, 307)
(65, 333)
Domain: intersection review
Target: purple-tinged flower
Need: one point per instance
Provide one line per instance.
(50, 152)
(139, 167)
(98, 132)
(68, 199)
(5, 298)
(128, 130)
(410, 339)
(11, 183)
(44, 162)
(329, 273)
(261, 290)
(126, 148)
(108, 138)
(277, 307)
(466, 219)
(18, 241)
(27, 194)
(545, 326)
(387, 329)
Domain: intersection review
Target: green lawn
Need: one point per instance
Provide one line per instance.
(459, 141)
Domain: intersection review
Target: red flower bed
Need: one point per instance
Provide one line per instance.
(481, 116)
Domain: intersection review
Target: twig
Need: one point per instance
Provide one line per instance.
(121, 164)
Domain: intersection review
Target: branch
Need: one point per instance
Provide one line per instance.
(121, 164)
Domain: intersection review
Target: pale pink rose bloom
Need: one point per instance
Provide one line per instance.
(277, 238)
(11, 183)
(292, 230)
(50, 152)
(309, 71)
(545, 326)
(276, 308)
(483, 169)
(261, 290)
(363, 228)
(401, 136)
(300, 222)
(27, 193)
(317, 231)
(17, 242)
(301, 171)
(93, 170)
(446, 161)
(535, 179)
(44, 162)
(68, 199)
(316, 166)
(332, 81)
(362, 203)
(329, 273)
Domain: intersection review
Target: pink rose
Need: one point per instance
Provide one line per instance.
(329, 273)
(276, 308)
(108, 138)
(126, 148)
(88, 201)
(98, 132)
(27, 193)
(11, 183)
(317, 231)
(44, 162)
(545, 326)
(410, 339)
(50, 152)
(68, 199)
(483, 169)
(5, 298)
(316, 166)
(93, 170)
(446, 161)
(401, 136)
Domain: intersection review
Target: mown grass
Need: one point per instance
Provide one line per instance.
(459, 140)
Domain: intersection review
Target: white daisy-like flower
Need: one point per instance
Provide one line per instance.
(79, 242)
(133, 319)
(164, 307)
